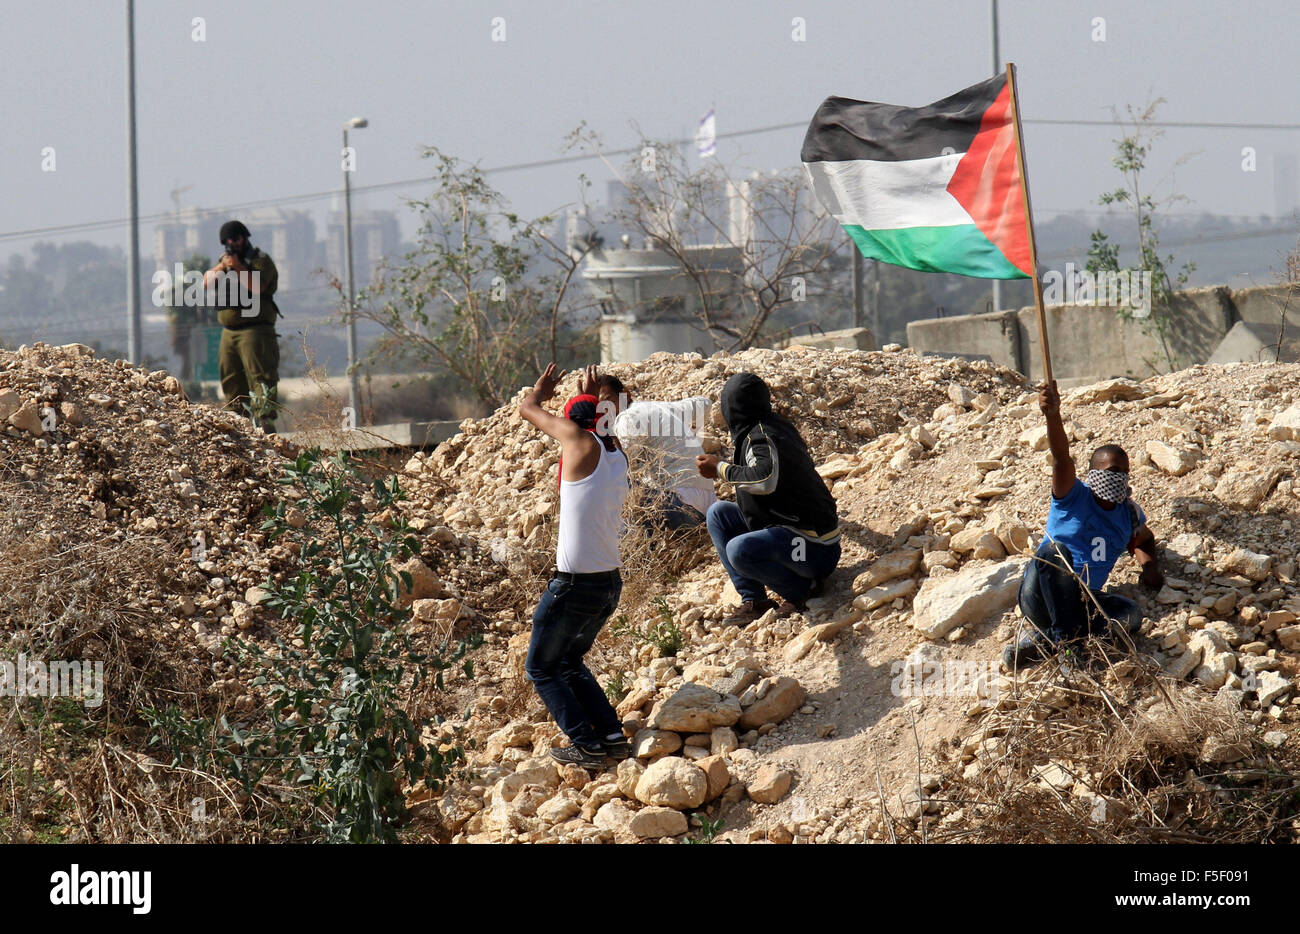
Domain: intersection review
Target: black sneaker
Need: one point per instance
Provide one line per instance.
(577, 755)
(817, 589)
(1030, 650)
(748, 611)
(617, 748)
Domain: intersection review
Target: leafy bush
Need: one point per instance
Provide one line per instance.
(337, 722)
(665, 635)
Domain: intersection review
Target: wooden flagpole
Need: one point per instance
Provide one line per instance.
(1029, 221)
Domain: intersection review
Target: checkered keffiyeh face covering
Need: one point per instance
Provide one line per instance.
(1110, 485)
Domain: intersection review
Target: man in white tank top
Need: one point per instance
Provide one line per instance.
(585, 589)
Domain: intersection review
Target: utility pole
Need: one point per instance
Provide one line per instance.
(354, 388)
(997, 69)
(134, 351)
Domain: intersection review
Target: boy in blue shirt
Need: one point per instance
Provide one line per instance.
(1090, 523)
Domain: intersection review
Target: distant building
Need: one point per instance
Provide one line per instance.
(193, 230)
(289, 236)
(376, 237)
(649, 304)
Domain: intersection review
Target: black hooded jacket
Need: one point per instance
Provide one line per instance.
(775, 479)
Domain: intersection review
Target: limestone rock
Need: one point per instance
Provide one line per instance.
(544, 775)
(28, 418)
(769, 785)
(1270, 686)
(722, 741)
(1286, 424)
(1248, 564)
(628, 774)
(1247, 487)
(716, 774)
(1013, 535)
(436, 611)
(1221, 749)
(424, 583)
(649, 743)
(1111, 390)
(672, 782)
(694, 709)
(559, 808)
(653, 822)
(802, 644)
(613, 815)
(516, 734)
(10, 403)
(1035, 437)
(972, 594)
(784, 697)
(885, 593)
(1170, 459)
(902, 563)
(978, 543)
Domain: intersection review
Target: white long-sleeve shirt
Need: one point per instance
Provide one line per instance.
(671, 429)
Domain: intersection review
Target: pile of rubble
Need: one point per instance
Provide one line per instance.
(103, 452)
(497, 477)
(942, 504)
(788, 730)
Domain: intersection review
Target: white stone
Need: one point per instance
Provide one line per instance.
(968, 596)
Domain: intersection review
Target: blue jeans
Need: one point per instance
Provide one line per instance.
(769, 557)
(669, 513)
(565, 624)
(1052, 598)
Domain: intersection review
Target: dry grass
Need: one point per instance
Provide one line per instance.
(1135, 744)
(75, 771)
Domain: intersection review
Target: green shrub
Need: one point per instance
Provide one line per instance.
(337, 721)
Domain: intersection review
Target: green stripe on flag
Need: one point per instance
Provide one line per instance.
(961, 249)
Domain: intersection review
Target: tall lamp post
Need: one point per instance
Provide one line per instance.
(134, 346)
(354, 393)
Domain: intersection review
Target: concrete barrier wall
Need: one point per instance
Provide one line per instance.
(1267, 305)
(1091, 343)
(995, 335)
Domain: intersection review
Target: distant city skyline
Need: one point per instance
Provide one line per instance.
(432, 74)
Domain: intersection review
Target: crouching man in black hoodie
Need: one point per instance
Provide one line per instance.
(782, 531)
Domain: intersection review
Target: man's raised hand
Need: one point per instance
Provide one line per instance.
(1049, 399)
(546, 383)
(589, 385)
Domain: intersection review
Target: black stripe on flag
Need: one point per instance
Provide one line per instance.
(844, 129)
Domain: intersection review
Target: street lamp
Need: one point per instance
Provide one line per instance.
(354, 393)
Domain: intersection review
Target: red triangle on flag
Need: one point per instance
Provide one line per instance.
(987, 184)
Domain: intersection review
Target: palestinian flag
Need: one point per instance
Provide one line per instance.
(934, 188)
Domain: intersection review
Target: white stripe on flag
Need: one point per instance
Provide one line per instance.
(889, 195)
(706, 136)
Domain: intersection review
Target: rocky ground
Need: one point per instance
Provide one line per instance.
(133, 530)
(941, 474)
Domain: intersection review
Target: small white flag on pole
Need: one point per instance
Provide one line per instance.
(706, 136)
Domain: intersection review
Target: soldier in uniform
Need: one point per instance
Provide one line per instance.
(250, 352)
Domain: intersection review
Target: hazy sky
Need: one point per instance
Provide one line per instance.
(254, 111)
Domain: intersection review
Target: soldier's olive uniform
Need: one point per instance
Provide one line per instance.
(250, 350)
